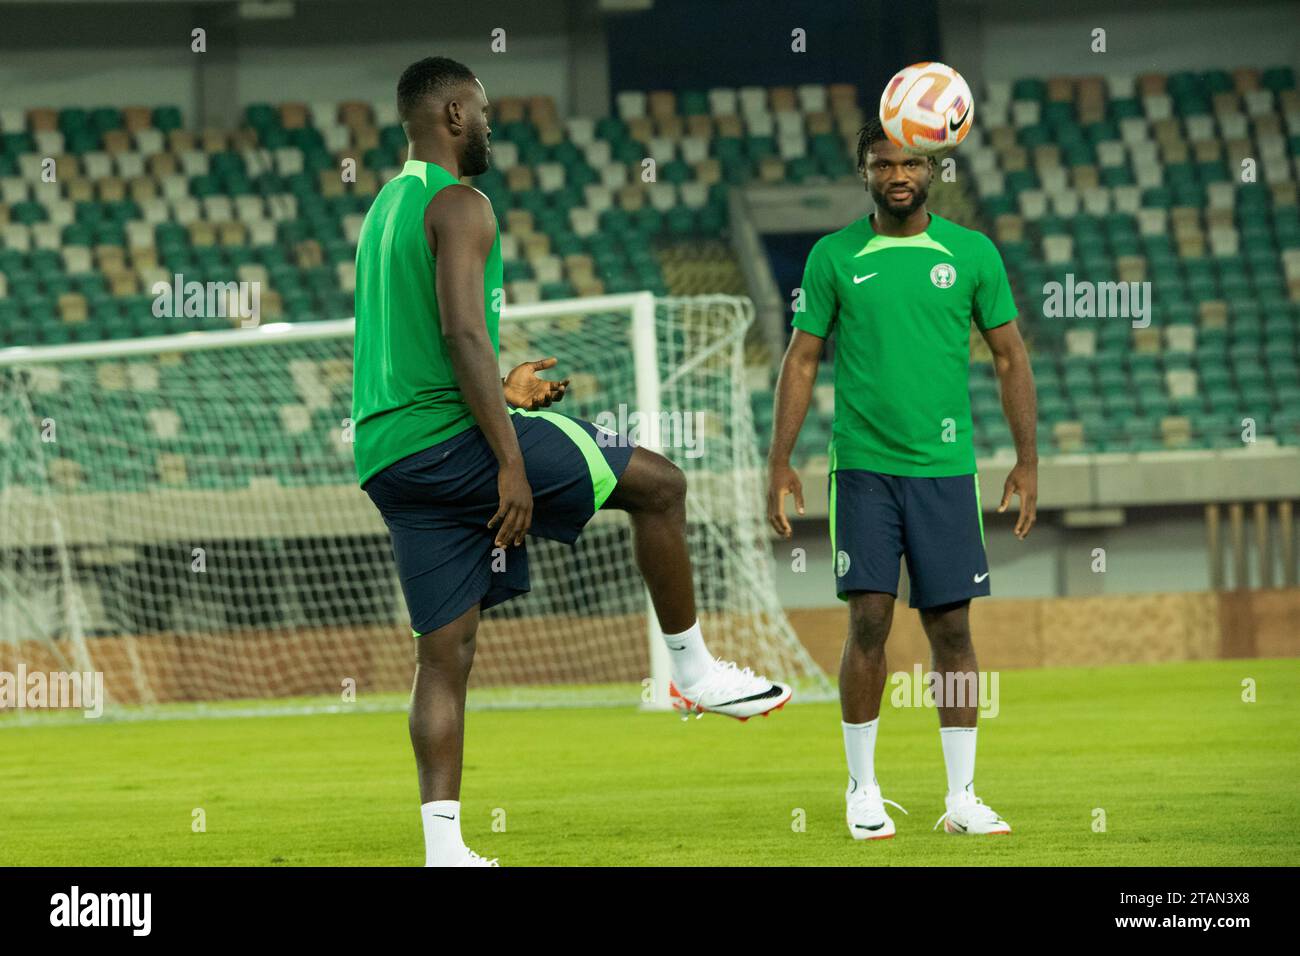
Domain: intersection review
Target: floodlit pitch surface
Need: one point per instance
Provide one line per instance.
(1184, 771)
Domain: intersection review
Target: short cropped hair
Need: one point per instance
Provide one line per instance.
(433, 74)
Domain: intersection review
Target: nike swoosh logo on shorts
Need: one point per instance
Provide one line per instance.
(979, 578)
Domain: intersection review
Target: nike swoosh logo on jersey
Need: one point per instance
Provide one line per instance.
(858, 280)
(979, 578)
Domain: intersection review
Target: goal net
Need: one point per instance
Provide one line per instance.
(181, 515)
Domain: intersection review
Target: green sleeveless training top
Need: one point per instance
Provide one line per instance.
(404, 392)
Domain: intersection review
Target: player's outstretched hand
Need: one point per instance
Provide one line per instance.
(782, 481)
(515, 506)
(1022, 482)
(525, 390)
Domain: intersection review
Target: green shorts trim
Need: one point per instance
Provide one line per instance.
(603, 478)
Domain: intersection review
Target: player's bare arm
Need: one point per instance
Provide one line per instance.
(460, 230)
(1020, 406)
(794, 389)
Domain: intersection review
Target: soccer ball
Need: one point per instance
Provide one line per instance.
(926, 108)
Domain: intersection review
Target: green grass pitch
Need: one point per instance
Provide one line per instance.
(1185, 771)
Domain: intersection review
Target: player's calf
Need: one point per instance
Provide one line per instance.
(652, 490)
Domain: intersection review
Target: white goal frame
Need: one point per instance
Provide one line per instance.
(640, 306)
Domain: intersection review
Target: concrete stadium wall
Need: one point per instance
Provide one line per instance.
(1087, 632)
(1009, 634)
(1009, 39)
(139, 54)
(1155, 550)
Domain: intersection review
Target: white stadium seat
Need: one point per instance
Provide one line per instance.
(48, 142)
(261, 233)
(46, 235)
(249, 209)
(723, 101)
(186, 210)
(550, 176)
(581, 130)
(14, 189)
(1026, 112)
(630, 104)
(194, 162)
(753, 100)
(812, 98)
(149, 142)
(663, 196)
(217, 209)
(694, 149)
(599, 197)
(1158, 106)
(129, 165)
(597, 153)
(96, 165)
(139, 235)
(584, 222)
(288, 160)
(153, 211)
(77, 260)
(760, 124)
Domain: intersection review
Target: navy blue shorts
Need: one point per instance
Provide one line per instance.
(935, 523)
(437, 504)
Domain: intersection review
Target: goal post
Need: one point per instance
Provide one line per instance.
(181, 515)
(645, 351)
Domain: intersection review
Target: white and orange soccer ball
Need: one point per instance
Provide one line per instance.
(926, 108)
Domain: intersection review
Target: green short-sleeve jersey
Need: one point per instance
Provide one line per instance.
(404, 391)
(900, 311)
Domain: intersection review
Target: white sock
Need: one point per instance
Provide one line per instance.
(443, 845)
(959, 758)
(689, 659)
(860, 749)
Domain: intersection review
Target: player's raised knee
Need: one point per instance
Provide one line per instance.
(672, 485)
(664, 486)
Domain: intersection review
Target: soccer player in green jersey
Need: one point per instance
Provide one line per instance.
(462, 464)
(899, 289)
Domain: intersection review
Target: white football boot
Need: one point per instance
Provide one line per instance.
(968, 815)
(731, 691)
(473, 859)
(866, 812)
